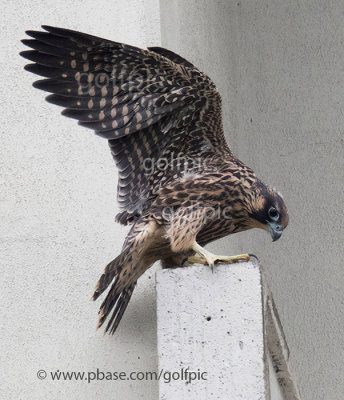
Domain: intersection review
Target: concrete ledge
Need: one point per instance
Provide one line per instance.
(213, 323)
(220, 336)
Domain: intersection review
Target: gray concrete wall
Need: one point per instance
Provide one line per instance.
(58, 202)
(279, 66)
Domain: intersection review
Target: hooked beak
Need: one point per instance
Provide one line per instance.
(275, 230)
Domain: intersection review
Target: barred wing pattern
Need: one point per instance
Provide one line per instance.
(150, 104)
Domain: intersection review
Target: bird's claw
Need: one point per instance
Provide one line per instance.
(254, 256)
(211, 260)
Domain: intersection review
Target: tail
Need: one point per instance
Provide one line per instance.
(119, 294)
(123, 271)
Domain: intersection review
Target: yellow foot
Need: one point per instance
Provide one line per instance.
(214, 259)
(205, 257)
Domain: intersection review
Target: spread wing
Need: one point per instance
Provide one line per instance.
(155, 108)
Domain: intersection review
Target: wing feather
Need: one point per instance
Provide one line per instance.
(150, 104)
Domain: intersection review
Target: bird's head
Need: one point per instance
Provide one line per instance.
(268, 211)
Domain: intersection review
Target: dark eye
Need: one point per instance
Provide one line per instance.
(273, 213)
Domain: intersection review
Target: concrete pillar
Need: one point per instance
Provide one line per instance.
(210, 324)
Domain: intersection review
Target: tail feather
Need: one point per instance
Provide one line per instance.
(110, 272)
(119, 294)
(111, 299)
(123, 272)
(121, 305)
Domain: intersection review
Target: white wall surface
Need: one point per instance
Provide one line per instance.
(58, 202)
(279, 66)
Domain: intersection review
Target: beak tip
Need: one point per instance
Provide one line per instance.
(276, 231)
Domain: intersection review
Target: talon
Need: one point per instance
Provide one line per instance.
(208, 258)
(253, 255)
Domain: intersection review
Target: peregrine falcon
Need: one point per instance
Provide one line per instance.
(180, 186)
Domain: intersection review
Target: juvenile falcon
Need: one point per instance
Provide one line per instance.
(180, 187)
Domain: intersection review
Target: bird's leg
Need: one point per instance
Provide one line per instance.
(209, 258)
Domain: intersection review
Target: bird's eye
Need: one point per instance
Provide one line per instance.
(273, 213)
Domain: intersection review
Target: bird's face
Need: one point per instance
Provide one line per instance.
(269, 212)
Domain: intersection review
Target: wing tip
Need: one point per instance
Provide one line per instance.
(30, 67)
(32, 33)
(54, 99)
(44, 84)
(27, 54)
(26, 42)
